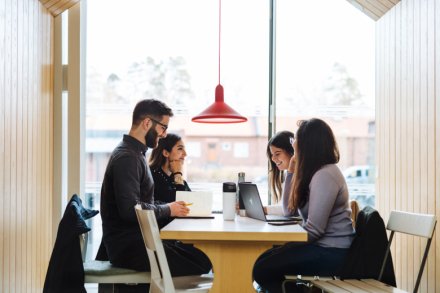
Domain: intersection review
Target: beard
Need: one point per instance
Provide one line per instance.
(151, 138)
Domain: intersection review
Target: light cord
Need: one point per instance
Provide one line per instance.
(219, 35)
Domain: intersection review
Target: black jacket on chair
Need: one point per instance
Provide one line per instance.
(66, 272)
(367, 251)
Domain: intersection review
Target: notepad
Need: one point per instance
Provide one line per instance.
(200, 202)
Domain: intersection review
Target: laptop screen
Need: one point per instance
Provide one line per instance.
(254, 207)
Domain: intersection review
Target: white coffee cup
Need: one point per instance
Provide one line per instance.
(229, 201)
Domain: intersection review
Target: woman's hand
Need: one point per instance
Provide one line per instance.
(176, 166)
(292, 163)
(178, 209)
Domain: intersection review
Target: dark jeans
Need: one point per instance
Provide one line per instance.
(296, 259)
(183, 259)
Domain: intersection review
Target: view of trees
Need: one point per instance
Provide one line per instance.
(170, 81)
(167, 80)
(341, 88)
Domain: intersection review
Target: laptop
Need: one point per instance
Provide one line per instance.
(254, 208)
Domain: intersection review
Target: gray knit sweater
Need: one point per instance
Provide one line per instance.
(327, 213)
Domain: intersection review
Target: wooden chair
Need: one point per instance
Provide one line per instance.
(421, 225)
(103, 272)
(161, 280)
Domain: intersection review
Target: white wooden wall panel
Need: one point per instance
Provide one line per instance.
(25, 145)
(435, 200)
(407, 108)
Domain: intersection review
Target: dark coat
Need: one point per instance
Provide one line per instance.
(127, 182)
(66, 272)
(367, 251)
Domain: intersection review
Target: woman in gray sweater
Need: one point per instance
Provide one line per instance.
(319, 194)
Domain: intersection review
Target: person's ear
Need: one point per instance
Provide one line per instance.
(165, 153)
(147, 123)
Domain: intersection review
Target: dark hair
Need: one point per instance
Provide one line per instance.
(316, 147)
(167, 143)
(150, 107)
(280, 140)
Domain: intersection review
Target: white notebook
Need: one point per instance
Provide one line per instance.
(200, 202)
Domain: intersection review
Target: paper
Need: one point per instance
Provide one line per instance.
(199, 202)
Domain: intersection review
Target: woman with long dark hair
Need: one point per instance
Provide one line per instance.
(279, 153)
(166, 164)
(320, 196)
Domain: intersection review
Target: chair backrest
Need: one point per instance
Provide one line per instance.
(410, 223)
(160, 271)
(421, 225)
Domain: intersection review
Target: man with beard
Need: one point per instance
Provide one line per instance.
(127, 182)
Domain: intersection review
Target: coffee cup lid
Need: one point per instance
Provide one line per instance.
(229, 187)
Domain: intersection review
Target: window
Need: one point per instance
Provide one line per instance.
(173, 56)
(325, 69)
(241, 150)
(226, 146)
(170, 56)
(193, 149)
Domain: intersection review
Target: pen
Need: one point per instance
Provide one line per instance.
(188, 204)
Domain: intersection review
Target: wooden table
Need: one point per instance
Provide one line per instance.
(232, 246)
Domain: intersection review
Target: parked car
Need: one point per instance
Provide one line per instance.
(358, 174)
(360, 183)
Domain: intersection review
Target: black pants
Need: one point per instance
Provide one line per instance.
(183, 259)
(296, 259)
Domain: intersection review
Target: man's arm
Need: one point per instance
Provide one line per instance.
(127, 175)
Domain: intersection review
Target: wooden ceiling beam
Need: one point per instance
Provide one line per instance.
(375, 9)
(56, 7)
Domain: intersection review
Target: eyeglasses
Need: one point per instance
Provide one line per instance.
(164, 126)
(292, 140)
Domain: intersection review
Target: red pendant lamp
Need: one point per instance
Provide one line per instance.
(219, 111)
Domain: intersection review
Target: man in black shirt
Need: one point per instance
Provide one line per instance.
(127, 182)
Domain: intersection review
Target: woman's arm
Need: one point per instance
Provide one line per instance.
(286, 194)
(324, 190)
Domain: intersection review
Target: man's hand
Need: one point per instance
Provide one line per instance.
(178, 209)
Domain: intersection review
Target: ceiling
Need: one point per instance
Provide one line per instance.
(375, 9)
(56, 7)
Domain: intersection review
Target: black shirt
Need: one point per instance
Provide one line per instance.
(164, 186)
(127, 181)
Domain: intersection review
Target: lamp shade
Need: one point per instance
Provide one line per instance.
(219, 111)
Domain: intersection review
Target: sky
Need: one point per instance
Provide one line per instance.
(311, 37)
